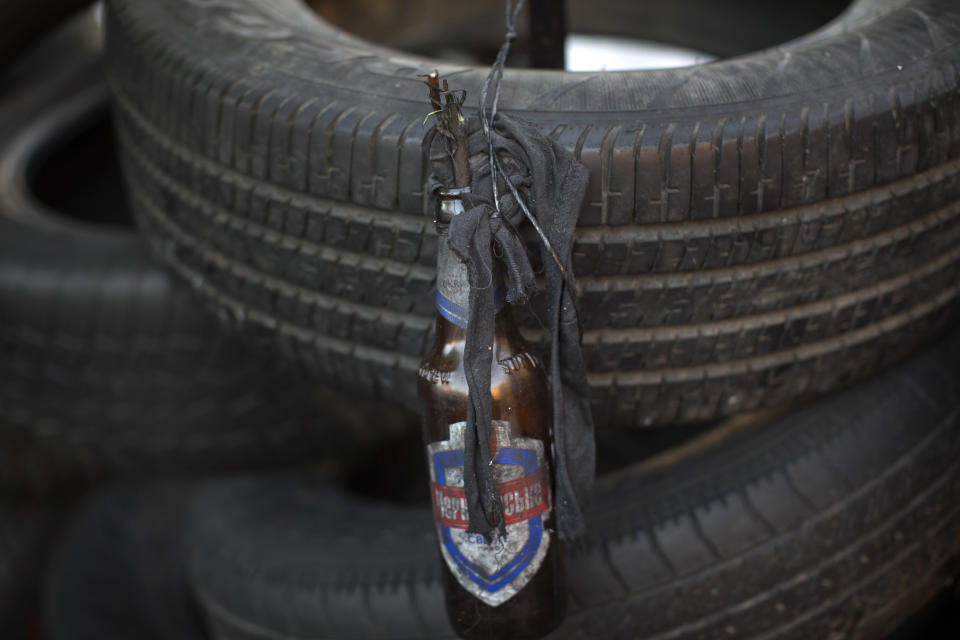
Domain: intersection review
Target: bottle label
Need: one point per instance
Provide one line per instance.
(453, 287)
(495, 571)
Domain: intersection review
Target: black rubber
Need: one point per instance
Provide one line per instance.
(27, 533)
(26, 20)
(835, 520)
(108, 365)
(769, 226)
(120, 569)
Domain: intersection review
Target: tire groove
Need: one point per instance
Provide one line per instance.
(266, 188)
(631, 233)
(668, 333)
(592, 336)
(214, 212)
(900, 513)
(631, 378)
(853, 589)
(789, 263)
(247, 273)
(806, 352)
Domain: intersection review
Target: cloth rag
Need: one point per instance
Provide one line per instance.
(552, 183)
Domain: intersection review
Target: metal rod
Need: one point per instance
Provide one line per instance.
(548, 31)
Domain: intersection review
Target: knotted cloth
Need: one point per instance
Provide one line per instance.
(551, 181)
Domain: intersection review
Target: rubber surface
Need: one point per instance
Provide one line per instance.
(26, 20)
(835, 520)
(109, 367)
(758, 229)
(120, 569)
(27, 533)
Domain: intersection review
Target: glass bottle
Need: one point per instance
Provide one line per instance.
(508, 587)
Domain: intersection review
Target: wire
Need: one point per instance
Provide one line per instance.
(488, 116)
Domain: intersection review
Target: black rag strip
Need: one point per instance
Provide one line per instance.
(552, 183)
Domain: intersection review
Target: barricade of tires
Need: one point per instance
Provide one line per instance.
(191, 406)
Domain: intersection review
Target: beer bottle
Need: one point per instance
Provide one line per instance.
(495, 587)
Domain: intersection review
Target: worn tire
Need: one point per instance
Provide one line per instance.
(120, 569)
(835, 520)
(769, 226)
(108, 367)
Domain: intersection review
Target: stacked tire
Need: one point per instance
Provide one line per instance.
(756, 230)
(770, 232)
(832, 521)
(109, 368)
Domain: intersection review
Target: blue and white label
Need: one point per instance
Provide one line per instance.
(453, 286)
(493, 572)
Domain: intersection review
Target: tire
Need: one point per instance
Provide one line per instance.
(758, 229)
(108, 366)
(120, 569)
(835, 520)
(26, 20)
(27, 533)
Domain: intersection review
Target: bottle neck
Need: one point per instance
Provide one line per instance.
(453, 286)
